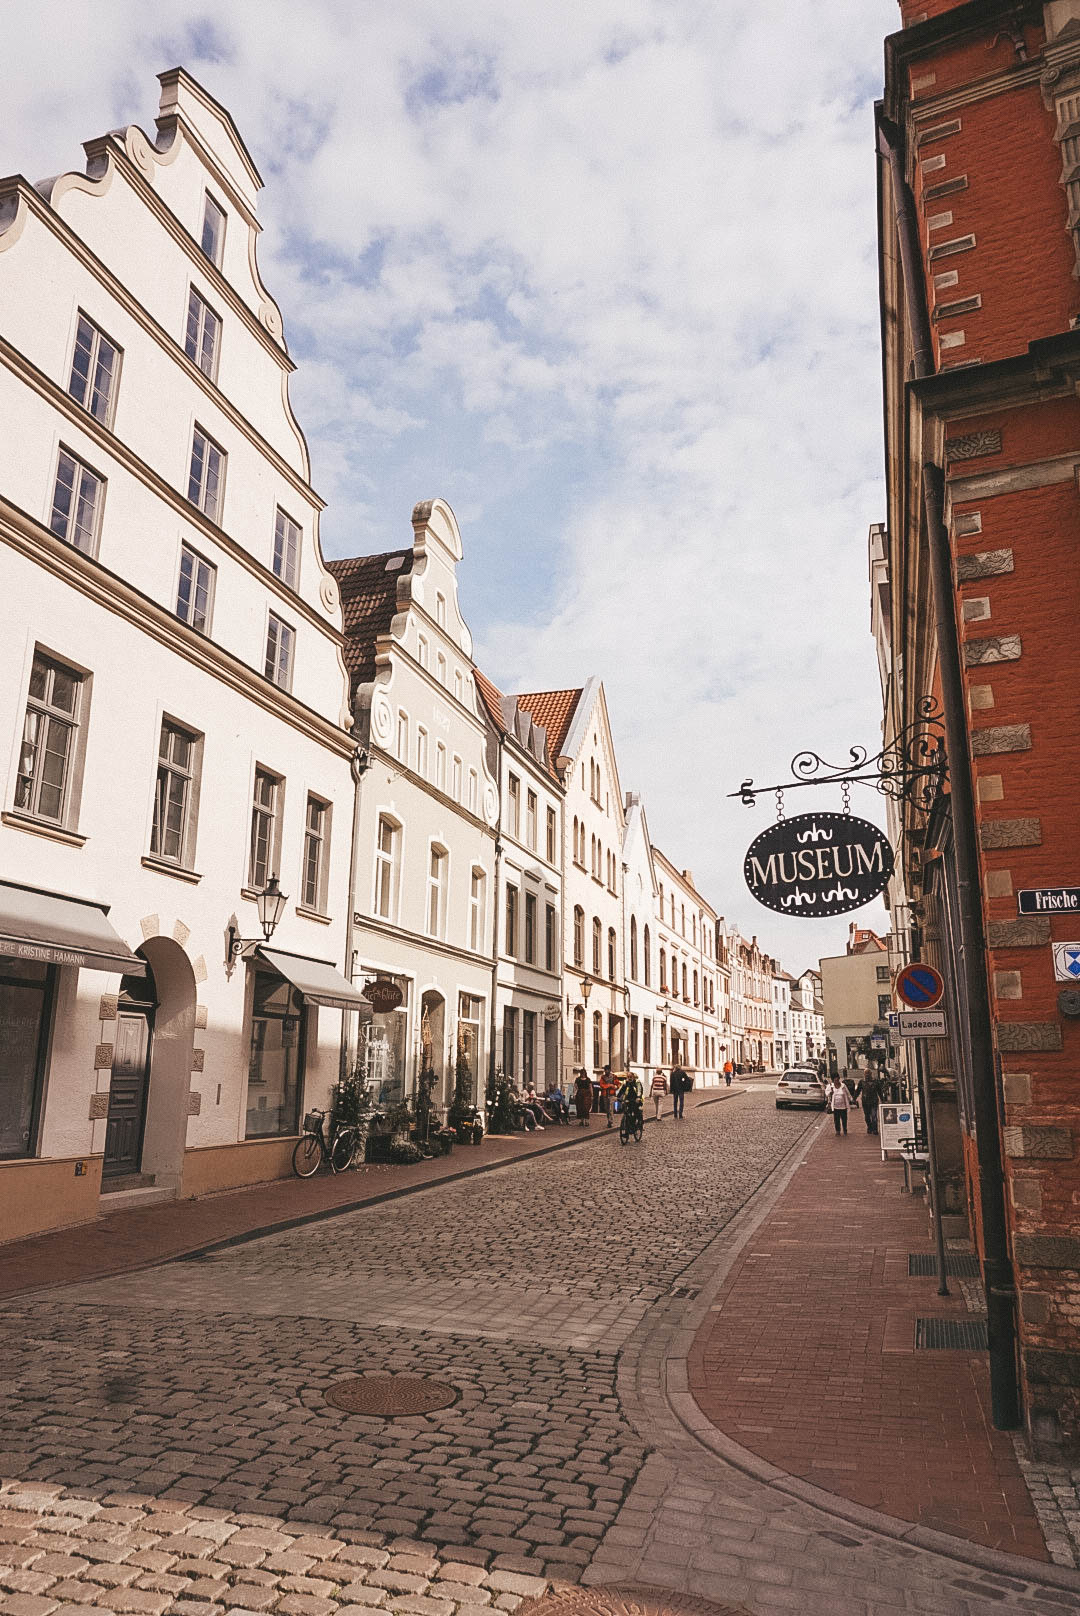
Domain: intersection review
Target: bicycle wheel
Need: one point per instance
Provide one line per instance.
(343, 1150)
(624, 1129)
(306, 1156)
(639, 1129)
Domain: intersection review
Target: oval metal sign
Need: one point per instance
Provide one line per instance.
(383, 995)
(817, 865)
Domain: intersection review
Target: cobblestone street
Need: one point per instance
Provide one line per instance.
(166, 1445)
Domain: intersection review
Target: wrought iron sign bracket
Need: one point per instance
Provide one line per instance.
(913, 768)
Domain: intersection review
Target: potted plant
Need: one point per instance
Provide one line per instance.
(443, 1141)
(502, 1109)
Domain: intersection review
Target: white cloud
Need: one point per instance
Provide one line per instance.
(604, 277)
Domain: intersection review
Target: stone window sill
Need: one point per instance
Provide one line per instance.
(39, 827)
(313, 914)
(163, 867)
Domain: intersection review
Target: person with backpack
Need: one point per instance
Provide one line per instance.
(681, 1083)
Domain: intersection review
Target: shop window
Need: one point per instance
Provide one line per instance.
(26, 995)
(382, 1044)
(510, 1021)
(528, 1048)
(276, 1064)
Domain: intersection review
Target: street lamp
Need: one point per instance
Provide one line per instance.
(586, 987)
(270, 905)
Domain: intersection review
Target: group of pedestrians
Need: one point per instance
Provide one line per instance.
(587, 1099)
(844, 1094)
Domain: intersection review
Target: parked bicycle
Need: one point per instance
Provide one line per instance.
(313, 1148)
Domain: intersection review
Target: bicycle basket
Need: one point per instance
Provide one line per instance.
(313, 1122)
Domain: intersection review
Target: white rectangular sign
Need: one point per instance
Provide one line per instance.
(895, 1122)
(922, 1024)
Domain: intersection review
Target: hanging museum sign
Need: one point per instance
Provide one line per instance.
(817, 865)
(383, 995)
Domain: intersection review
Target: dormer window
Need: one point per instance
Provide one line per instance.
(212, 240)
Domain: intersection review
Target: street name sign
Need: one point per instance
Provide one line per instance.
(1067, 962)
(816, 865)
(1048, 900)
(923, 1024)
(920, 986)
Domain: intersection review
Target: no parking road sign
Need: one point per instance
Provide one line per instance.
(919, 986)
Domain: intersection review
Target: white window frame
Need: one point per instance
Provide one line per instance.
(268, 809)
(202, 334)
(455, 778)
(440, 766)
(280, 651)
(531, 815)
(97, 390)
(288, 538)
(73, 724)
(437, 884)
(387, 879)
(205, 492)
(421, 751)
(477, 905)
(199, 566)
(319, 837)
(80, 523)
(474, 788)
(214, 215)
(169, 770)
(403, 737)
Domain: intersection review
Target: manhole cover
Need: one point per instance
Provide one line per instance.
(390, 1396)
(625, 1602)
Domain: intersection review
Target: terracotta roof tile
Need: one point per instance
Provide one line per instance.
(553, 710)
(368, 586)
(492, 699)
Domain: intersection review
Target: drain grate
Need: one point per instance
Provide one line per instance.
(958, 1265)
(689, 1291)
(967, 1335)
(390, 1397)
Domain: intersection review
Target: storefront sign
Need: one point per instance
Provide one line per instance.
(552, 1012)
(818, 864)
(383, 995)
(1048, 900)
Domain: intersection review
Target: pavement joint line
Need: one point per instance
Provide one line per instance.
(739, 1230)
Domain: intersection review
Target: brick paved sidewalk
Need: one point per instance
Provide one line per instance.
(118, 1242)
(808, 1358)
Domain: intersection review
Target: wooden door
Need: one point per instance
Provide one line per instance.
(127, 1094)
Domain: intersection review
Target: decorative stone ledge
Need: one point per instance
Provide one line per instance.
(1039, 1144)
(1047, 1250)
(1002, 738)
(999, 648)
(973, 445)
(1039, 1036)
(1030, 931)
(995, 833)
(987, 564)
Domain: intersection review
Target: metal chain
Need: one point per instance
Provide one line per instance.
(779, 804)
(845, 792)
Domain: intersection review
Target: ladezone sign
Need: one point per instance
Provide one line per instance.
(818, 864)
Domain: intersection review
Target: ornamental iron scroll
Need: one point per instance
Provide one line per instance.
(912, 768)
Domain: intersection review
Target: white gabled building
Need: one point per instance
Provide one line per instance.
(580, 744)
(426, 813)
(174, 717)
(528, 929)
(639, 943)
(686, 942)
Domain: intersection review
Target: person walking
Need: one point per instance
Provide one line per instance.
(870, 1095)
(680, 1082)
(839, 1103)
(657, 1090)
(728, 1072)
(608, 1090)
(583, 1097)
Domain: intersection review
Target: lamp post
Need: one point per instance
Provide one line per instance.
(270, 904)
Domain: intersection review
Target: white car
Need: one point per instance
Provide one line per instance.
(800, 1086)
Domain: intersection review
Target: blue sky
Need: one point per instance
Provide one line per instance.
(603, 276)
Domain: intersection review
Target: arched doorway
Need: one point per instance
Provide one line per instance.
(151, 1074)
(433, 1042)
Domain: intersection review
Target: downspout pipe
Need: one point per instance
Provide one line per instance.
(997, 1264)
(891, 147)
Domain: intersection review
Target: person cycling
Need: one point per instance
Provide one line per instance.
(632, 1099)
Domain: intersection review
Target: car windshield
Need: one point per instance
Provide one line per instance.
(799, 1077)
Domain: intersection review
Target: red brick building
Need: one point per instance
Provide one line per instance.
(979, 194)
